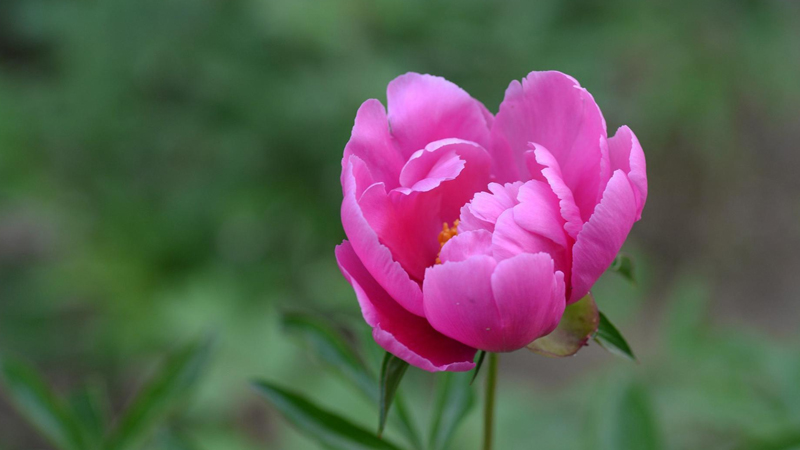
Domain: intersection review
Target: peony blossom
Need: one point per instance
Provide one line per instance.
(471, 232)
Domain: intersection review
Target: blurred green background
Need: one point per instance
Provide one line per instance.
(170, 168)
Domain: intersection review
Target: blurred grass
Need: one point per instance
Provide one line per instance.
(171, 166)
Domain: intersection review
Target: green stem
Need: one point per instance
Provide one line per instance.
(488, 404)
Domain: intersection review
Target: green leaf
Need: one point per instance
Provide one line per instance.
(327, 428)
(336, 351)
(627, 421)
(160, 395)
(333, 349)
(90, 405)
(455, 399)
(785, 440)
(392, 371)
(577, 326)
(35, 400)
(171, 440)
(611, 339)
(478, 366)
(623, 265)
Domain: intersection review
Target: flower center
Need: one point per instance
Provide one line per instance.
(446, 234)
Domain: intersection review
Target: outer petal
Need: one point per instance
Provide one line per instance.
(603, 235)
(529, 297)
(425, 108)
(371, 142)
(459, 302)
(409, 337)
(626, 154)
(553, 110)
(540, 159)
(495, 307)
(376, 257)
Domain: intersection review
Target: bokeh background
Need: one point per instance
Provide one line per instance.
(169, 168)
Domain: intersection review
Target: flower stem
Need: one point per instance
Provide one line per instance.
(488, 403)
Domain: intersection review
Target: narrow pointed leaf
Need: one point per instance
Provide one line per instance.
(627, 422)
(454, 401)
(333, 349)
(786, 440)
(578, 324)
(611, 339)
(35, 401)
(327, 428)
(623, 265)
(478, 366)
(160, 395)
(90, 406)
(392, 371)
(337, 352)
(171, 440)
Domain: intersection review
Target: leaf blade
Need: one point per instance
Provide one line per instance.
(337, 352)
(334, 350)
(41, 406)
(392, 371)
(623, 265)
(159, 395)
(609, 337)
(327, 428)
(628, 422)
(455, 400)
(90, 407)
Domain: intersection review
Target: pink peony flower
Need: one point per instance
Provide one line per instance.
(467, 231)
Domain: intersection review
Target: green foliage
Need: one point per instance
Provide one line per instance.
(392, 371)
(478, 365)
(611, 339)
(332, 431)
(40, 405)
(628, 421)
(454, 401)
(334, 350)
(169, 166)
(85, 425)
(159, 396)
(341, 356)
(623, 265)
(90, 405)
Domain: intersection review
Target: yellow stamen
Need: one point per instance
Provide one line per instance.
(446, 234)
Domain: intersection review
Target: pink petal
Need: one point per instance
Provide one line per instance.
(603, 235)
(553, 110)
(484, 209)
(626, 154)
(529, 296)
(495, 307)
(442, 161)
(539, 212)
(467, 244)
(425, 108)
(509, 239)
(376, 257)
(540, 159)
(444, 176)
(409, 337)
(371, 142)
(459, 302)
